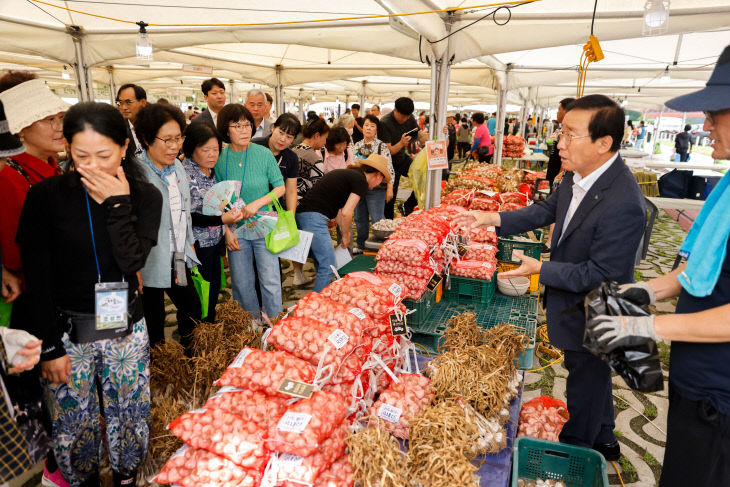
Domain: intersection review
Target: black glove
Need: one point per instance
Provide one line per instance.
(637, 292)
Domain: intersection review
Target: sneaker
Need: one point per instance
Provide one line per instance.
(54, 479)
(402, 209)
(300, 280)
(356, 251)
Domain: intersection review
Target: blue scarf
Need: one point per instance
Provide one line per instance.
(162, 173)
(706, 243)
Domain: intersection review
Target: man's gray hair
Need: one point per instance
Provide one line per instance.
(255, 92)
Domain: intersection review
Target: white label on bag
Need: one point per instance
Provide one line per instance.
(359, 313)
(281, 235)
(395, 290)
(288, 462)
(338, 338)
(240, 358)
(225, 390)
(293, 422)
(389, 413)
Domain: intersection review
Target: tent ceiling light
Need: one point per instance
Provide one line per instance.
(64, 73)
(656, 18)
(144, 46)
(665, 79)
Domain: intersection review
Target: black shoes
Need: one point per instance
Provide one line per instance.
(610, 451)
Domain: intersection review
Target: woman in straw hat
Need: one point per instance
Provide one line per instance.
(83, 236)
(335, 196)
(35, 115)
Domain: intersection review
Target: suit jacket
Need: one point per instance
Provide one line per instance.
(599, 244)
(204, 117)
(683, 142)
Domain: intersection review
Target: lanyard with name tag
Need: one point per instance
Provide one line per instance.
(110, 298)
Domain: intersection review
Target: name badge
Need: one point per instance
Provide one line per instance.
(111, 305)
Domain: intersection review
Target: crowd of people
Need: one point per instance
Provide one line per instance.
(92, 244)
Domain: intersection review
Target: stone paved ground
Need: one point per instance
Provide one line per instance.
(640, 418)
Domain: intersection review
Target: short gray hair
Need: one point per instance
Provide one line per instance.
(345, 120)
(255, 92)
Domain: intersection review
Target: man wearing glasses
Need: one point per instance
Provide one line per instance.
(130, 99)
(599, 217)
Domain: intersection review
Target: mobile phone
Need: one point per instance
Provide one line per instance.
(412, 130)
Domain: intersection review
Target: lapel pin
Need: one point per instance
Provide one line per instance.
(595, 197)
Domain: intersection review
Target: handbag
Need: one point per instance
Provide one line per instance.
(285, 234)
(202, 287)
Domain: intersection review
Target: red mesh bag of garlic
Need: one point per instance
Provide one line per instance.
(340, 474)
(224, 434)
(353, 321)
(514, 197)
(296, 470)
(251, 406)
(307, 423)
(416, 284)
(368, 292)
(445, 211)
(483, 235)
(263, 371)
(414, 252)
(313, 340)
(483, 252)
(474, 269)
(191, 467)
(396, 269)
(459, 197)
(484, 203)
(401, 402)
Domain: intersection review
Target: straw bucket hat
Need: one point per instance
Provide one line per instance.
(378, 162)
(29, 102)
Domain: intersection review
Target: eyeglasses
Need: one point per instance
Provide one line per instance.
(240, 126)
(55, 123)
(128, 103)
(712, 114)
(569, 138)
(172, 141)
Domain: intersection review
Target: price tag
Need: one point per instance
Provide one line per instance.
(293, 422)
(240, 358)
(462, 250)
(359, 313)
(338, 338)
(296, 388)
(389, 413)
(398, 326)
(395, 290)
(435, 280)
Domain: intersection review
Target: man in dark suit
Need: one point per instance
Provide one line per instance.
(683, 144)
(214, 92)
(130, 100)
(599, 217)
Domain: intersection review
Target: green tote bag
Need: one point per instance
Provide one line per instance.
(203, 289)
(285, 234)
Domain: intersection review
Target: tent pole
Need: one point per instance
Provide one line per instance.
(112, 85)
(301, 107)
(362, 97)
(501, 115)
(278, 92)
(231, 99)
(84, 85)
(658, 121)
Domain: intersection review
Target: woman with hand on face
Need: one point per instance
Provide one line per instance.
(202, 147)
(83, 236)
(255, 167)
(372, 207)
(160, 129)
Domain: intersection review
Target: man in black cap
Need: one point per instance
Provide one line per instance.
(698, 424)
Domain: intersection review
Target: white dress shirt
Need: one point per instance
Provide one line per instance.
(581, 186)
(214, 116)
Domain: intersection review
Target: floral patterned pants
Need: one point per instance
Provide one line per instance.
(117, 371)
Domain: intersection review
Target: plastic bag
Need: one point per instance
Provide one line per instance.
(192, 467)
(474, 269)
(418, 175)
(263, 371)
(401, 402)
(307, 423)
(294, 470)
(353, 320)
(639, 365)
(311, 340)
(224, 434)
(251, 406)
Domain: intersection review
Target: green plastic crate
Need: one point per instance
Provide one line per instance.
(358, 263)
(505, 246)
(468, 290)
(574, 465)
(422, 307)
(518, 311)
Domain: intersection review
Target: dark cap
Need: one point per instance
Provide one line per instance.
(714, 96)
